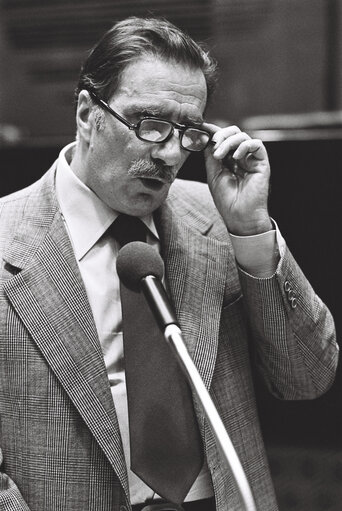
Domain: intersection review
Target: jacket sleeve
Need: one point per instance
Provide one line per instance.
(293, 332)
(10, 496)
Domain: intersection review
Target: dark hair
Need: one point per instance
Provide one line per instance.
(132, 38)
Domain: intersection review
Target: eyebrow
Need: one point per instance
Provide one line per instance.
(156, 112)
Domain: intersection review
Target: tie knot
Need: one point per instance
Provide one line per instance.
(128, 228)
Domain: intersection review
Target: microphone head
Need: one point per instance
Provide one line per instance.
(135, 261)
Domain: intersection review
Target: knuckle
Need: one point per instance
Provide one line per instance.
(235, 129)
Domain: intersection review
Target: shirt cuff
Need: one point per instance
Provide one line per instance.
(258, 255)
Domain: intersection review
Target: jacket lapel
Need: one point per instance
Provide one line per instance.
(196, 273)
(48, 294)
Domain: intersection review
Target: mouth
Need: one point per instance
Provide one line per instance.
(152, 183)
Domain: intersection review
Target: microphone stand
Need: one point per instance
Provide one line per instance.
(173, 336)
(156, 297)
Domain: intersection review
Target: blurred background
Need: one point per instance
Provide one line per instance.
(281, 80)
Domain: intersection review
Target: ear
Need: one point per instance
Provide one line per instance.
(85, 115)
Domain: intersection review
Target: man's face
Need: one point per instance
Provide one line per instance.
(118, 165)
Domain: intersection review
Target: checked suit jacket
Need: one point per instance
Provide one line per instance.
(59, 436)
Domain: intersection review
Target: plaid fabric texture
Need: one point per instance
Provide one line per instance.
(60, 440)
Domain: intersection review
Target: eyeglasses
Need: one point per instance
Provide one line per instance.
(157, 131)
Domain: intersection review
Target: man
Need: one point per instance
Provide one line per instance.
(230, 276)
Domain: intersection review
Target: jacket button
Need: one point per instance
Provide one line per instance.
(291, 295)
(287, 286)
(293, 303)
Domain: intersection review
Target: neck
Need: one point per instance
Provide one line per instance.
(76, 161)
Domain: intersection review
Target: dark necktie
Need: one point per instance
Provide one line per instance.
(166, 449)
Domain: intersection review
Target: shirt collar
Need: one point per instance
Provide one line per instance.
(87, 217)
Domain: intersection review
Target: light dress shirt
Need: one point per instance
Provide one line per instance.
(87, 218)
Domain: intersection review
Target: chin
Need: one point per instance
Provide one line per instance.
(140, 203)
(139, 210)
(148, 205)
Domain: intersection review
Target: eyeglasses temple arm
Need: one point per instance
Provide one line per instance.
(105, 105)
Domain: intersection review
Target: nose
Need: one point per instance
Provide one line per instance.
(169, 152)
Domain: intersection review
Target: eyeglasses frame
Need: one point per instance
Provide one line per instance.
(135, 127)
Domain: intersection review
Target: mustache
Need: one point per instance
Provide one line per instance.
(145, 168)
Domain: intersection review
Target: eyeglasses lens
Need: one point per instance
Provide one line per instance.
(153, 130)
(195, 140)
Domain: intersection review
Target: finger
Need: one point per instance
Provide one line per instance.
(210, 127)
(220, 134)
(229, 144)
(252, 146)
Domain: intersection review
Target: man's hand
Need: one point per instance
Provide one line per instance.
(240, 186)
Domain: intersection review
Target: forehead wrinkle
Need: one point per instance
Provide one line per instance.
(180, 99)
(167, 93)
(185, 111)
(176, 89)
(160, 85)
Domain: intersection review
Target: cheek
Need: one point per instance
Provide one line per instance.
(113, 152)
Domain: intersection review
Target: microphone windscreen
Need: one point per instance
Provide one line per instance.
(135, 261)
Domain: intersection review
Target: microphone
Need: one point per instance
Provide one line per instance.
(139, 266)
